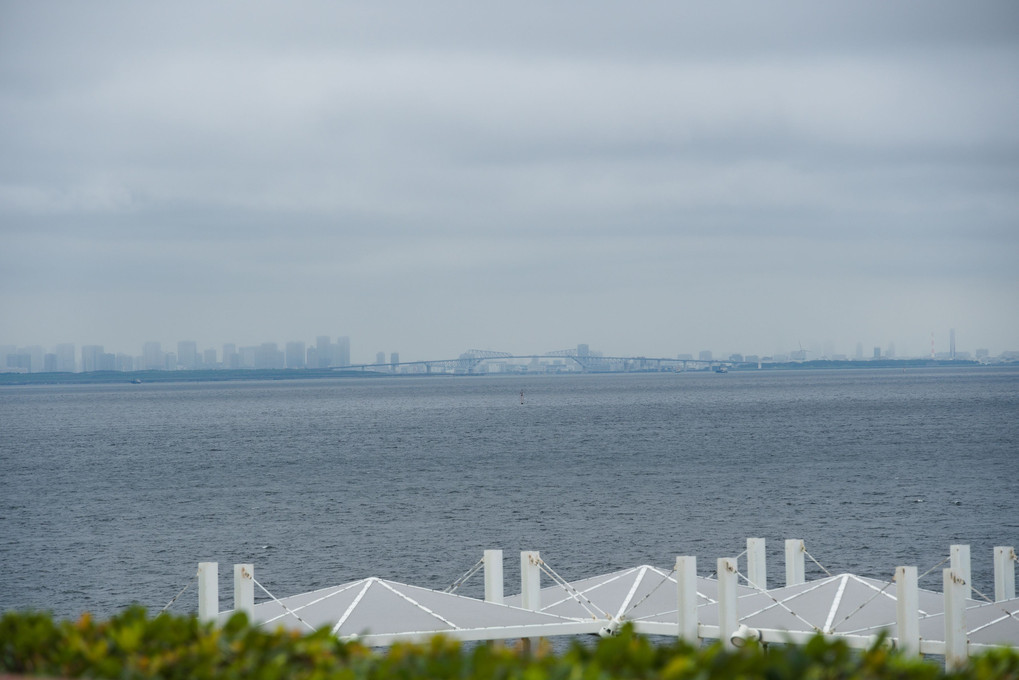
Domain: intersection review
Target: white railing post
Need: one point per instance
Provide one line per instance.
(757, 572)
(795, 573)
(907, 610)
(956, 590)
(493, 576)
(208, 591)
(1004, 573)
(727, 619)
(686, 582)
(960, 561)
(244, 589)
(530, 579)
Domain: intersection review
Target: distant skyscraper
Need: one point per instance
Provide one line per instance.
(90, 357)
(380, 358)
(324, 347)
(230, 356)
(951, 343)
(877, 352)
(296, 355)
(152, 357)
(187, 354)
(859, 351)
(705, 355)
(394, 358)
(209, 358)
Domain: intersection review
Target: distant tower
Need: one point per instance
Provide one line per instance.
(343, 350)
(932, 344)
(380, 357)
(951, 344)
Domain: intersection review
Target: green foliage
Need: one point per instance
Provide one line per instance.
(132, 645)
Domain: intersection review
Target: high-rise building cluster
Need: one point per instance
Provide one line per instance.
(325, 353)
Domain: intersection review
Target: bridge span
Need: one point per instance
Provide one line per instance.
(471, 362)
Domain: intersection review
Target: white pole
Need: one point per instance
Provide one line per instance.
(686, 582)
(530, 579)
(961, 563)
(757, 571)
(956, 589)
(208, 591)
(907, 610)
(727, 619)
(1004, 573)
(795, 573)
(244, 589)
(493, 576)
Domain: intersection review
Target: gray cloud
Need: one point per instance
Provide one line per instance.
(426, 178)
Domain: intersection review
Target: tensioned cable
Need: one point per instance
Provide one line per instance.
(277, 601)
(188, 585)
(779, 603)
(576, 594)
(934, 567)
(873, 597)
(660, 583)
(1010, 614)
(467, 575)
(815, 561)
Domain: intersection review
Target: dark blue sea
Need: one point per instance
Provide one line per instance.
(111, 494)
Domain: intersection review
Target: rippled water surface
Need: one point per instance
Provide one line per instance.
(113, 493)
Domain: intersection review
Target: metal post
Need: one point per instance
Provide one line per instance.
(795, 573)
(727, 619)
(208, 591)
(530, 579)
(907, 610)
(961, 563)
(686, 582)
(244, 589)
(1004, 573)
(757, 572)
(956, 589)
(493, 576)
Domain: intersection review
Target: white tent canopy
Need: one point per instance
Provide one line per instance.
(987, 623)
(380, 612)
(623, 595)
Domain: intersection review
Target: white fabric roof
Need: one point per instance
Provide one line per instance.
(627, 594)
(381, 611)
(838, 604)
(987, 623)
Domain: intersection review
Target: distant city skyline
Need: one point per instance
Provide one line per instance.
(335, 351)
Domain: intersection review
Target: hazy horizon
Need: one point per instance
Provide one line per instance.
(648, 180)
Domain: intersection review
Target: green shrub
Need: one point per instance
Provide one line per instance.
(132, 646)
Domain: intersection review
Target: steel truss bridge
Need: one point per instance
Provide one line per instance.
(469, 362)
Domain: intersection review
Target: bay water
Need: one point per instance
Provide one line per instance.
(111, 494)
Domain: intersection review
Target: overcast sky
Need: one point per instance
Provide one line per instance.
(650, 178)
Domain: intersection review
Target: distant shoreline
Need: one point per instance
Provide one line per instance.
(231, 375)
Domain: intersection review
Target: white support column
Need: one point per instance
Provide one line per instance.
(956, 590)
(493, 576)
(244, 589)
(686, 581)
(727, 618)
(208, 591)
(530, 580)
(757, 571)
(795, 573)
(961, 563)
(1004, 573)
(907, 610)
